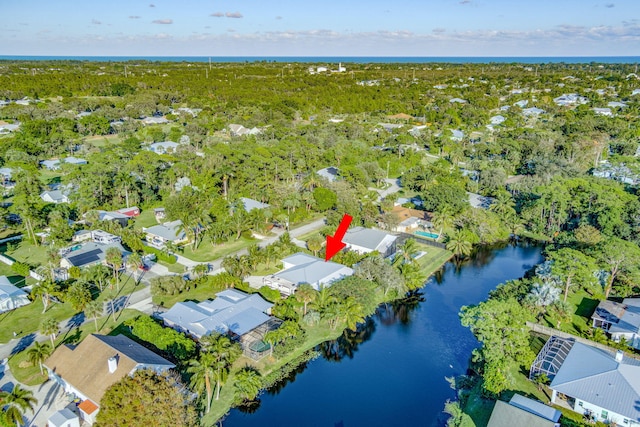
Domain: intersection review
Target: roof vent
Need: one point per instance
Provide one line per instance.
(619, 356)
(113, 364)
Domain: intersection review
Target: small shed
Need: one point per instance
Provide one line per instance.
(64, 418)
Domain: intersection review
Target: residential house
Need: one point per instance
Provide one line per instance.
(496, 120)
(163, 147)
(54, 196)
(75, 161)
(570, 99)
(521, 411)
(603, 111)
(301, 268)
(81, 236)
(620, 320)
(88, 254)
(63, 418)
(635, 92)
(154, 120)
(6, 177)
(251, 204)
(99, 236)
(458, 101)
(533, 111)
(6, 128)
(456, 135)
(131, 212)
(239, 130)
(523, 103)
(410, 219)
(113, 216)
(88, 369)
(52, 164)
(159, 235)
(599, 384)
(366, 240)
(159, 213)
(330, 173)
(479, 201)
(616, 104)
(11, 297)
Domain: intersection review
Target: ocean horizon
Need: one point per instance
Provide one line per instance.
(344, 59)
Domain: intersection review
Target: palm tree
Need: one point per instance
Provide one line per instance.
(503, 204)
(271, 338)
(200, 270)
(305, 294)
(201, 372)
(459, 243)
(38, 354)
(248, 383)
(352, 313)
(114, 259)
(45, 290)
(94, 310)
(323, 300)
(443, 218)
(134, 262)
(315, 243)
(16, 403)
(407, 250)
(97, 274)
(49, 327)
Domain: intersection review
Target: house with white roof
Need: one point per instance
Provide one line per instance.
(616, 104)
(458, 101)
(251, 204)
(570, 99)
(159, 235)
(523, 103)
(521, 411)
(301, 268)
(231, 312)
(456, 135)
(11, 297)
(239, 130)
(163, 147)
(54, 196)
(155, 120)
(533, 111)
(330, 173)
(89, 254)
(619, 320)
(599, 384)
(367, 240)
(603, 111)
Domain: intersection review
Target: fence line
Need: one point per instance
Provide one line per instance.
(545, 330)
(402, 237)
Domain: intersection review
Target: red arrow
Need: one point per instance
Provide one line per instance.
(334, 243)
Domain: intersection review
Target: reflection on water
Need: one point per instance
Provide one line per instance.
(392, 369)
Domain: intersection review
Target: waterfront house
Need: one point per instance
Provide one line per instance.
(159, 213)
(599, 384)
(301, 268)
(619, 320)
(88, 369)
(366, 240)
(409, 220)
(521, 411)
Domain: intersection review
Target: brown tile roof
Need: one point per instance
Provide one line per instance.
(88, 407)
(405, 213)
(85, 367)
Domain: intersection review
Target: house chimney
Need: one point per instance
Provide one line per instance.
(619, 356)
(113, 364)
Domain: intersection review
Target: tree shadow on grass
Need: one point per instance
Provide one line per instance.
(24, 342)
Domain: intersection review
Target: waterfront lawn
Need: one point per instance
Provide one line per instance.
(582, 307)
(145, 219)
(29, 374)
(434, 258)
(203, 292)
(208, 252)
(315, 335)
(26, 252)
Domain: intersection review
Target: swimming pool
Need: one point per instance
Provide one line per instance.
(425, 234)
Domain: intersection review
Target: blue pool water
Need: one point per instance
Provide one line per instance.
(425, 234)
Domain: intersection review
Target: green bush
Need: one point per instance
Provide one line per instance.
(21, 268)
(269, 294)
(161, 255)
(174, 343)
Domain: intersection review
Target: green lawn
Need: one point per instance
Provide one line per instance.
(145, 219)
(29, 374)
(207, 252)
(26, 252)
(26, 319)
(434, 259)
(202, 292)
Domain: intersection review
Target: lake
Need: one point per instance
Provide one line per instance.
(392, 371)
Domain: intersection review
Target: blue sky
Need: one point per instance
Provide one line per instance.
(321, 28)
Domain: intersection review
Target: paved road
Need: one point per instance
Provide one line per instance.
(394, 187)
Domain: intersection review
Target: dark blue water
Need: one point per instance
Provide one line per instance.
(344, 59)
(393, 372)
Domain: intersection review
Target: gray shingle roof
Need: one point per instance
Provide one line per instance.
(171, 231)
(594, 376)
(251, 204)
(133, 350)
(91, 253)
(630, 319)
(506, 415)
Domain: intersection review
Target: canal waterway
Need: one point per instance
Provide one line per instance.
(392, 372)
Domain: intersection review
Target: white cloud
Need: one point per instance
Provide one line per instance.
(134, 17)
(162, 21)
(233, 15)
(96, 22)
(217, 14)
